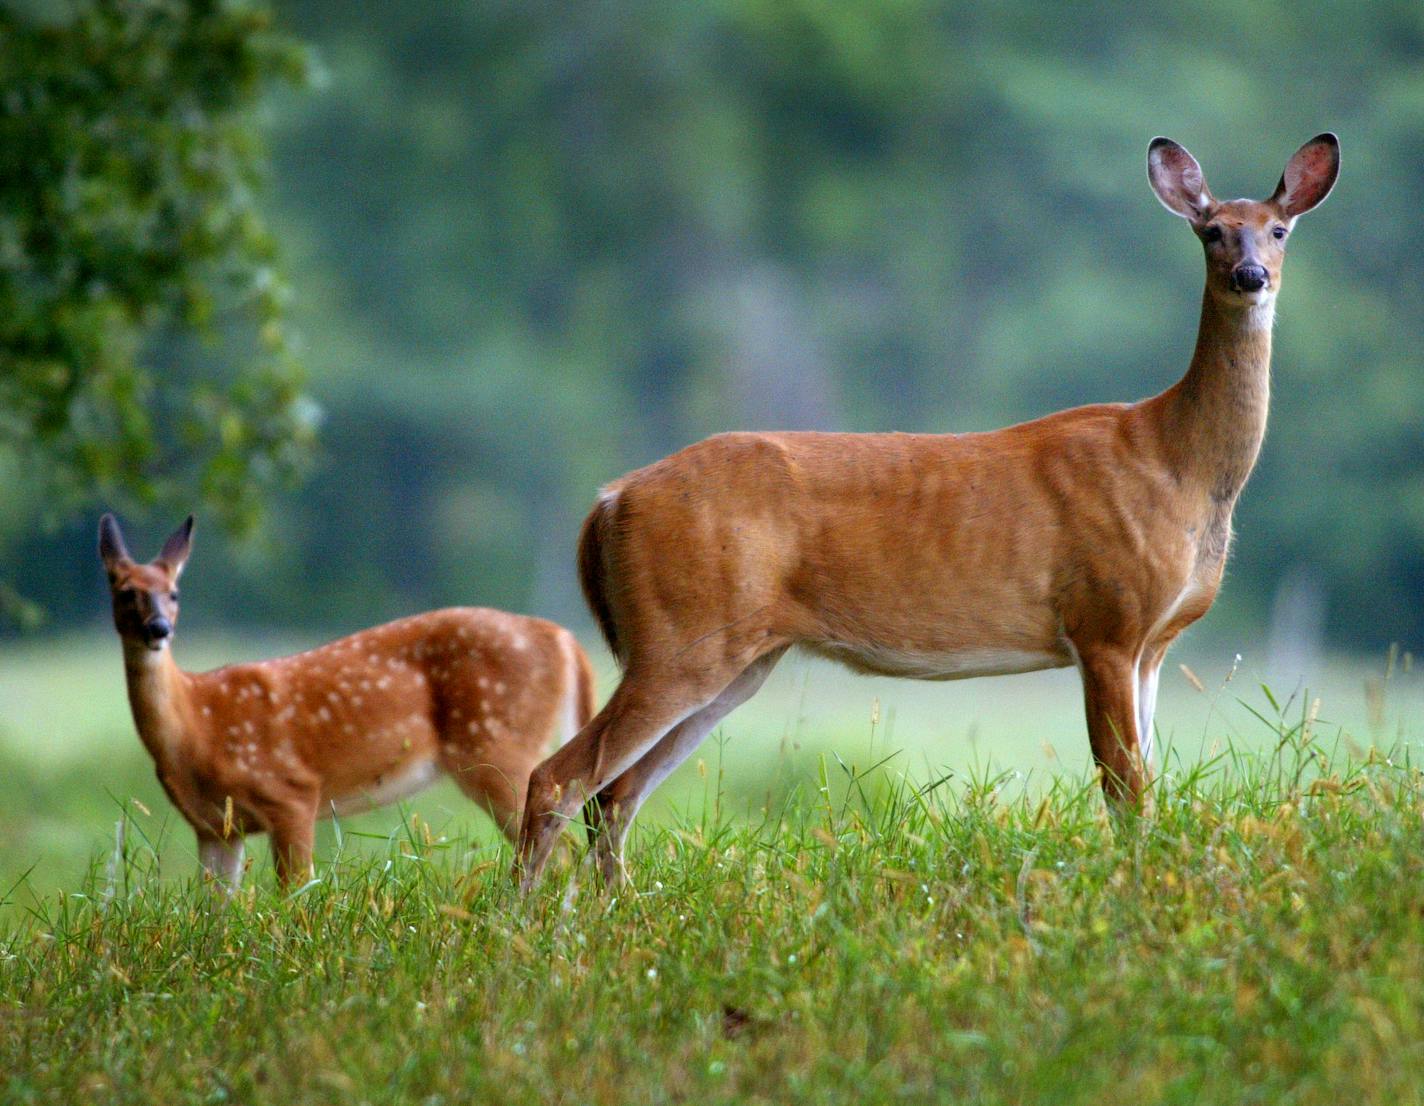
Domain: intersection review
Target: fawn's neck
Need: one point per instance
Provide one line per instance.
(159, 699)
(1214, 418)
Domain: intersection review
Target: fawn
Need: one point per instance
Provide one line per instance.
(1090, 537)
(270, 746)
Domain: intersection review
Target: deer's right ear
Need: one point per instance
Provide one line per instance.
(1178, 181)
(112, 550)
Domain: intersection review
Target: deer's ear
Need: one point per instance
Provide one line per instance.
(1178, 181)
(112, 550)
(176, 549)
(1309, 176)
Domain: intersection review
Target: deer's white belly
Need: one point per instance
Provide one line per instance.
(958, 665)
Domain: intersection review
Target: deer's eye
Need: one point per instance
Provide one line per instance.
(1278, 233)
(1212, 234)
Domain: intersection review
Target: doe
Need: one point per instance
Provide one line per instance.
(1090, 537)
(468, 692)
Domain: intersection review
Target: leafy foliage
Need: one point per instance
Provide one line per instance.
(129, 168)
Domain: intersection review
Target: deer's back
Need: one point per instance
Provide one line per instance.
(898, 544)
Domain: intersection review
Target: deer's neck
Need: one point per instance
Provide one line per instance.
(1214, 418)
(160, 700)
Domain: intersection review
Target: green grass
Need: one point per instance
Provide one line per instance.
(1258, 938)
(802, 929)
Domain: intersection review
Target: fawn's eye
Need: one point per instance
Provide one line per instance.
(1212, 234)
(1278, 233)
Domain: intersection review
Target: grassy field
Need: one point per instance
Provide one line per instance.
(806, 926)
(1258, 939)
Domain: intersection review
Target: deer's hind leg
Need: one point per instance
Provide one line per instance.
(649, 702)
(617, 804)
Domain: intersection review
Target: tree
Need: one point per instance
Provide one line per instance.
(130, 161)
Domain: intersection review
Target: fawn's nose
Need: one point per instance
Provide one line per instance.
(158, 629)
(1249, 278)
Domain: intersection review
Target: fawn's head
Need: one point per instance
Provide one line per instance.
(1245, 240)
(145, 596)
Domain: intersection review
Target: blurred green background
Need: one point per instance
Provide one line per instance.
(385, 292)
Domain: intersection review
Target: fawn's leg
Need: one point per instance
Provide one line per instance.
(292, 829)
(497, 778)
(222, 860)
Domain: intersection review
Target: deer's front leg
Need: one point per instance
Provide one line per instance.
(1110, 696)
(222, 861)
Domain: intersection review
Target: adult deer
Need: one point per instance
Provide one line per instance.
(473, 693)
(1093, 537)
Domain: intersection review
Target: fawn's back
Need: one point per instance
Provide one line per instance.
(374, 716)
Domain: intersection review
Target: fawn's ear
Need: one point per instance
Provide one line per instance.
(1178, 181)
(176, 549)
(112, 550)
(1309, 176)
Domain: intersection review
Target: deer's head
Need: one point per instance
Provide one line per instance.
(1245, 240)
(145, 595)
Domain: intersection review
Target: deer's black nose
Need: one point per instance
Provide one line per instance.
(1249, 278)
(158, 628)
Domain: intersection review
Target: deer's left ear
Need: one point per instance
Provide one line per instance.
(1309, 176)
(177, 547)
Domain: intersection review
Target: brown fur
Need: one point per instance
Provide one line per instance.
(1092, 536)
(270, 746)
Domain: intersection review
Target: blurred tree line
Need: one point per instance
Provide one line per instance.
(534, 245)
